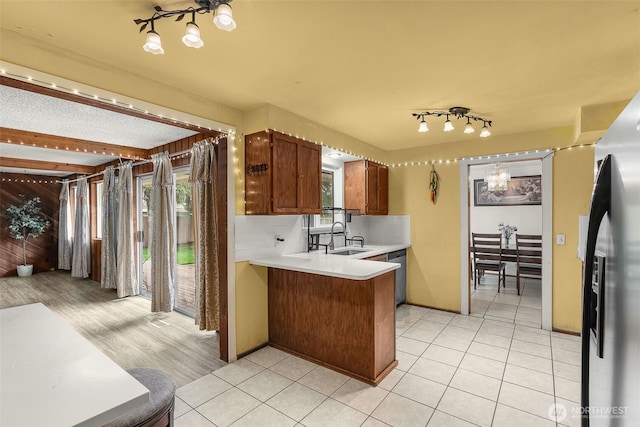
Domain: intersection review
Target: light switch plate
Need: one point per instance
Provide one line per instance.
(560, 238)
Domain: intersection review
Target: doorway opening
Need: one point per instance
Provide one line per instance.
(517, 208)
(185, 288)
(535, 293)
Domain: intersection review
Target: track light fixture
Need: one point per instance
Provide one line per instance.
(223, 19)
(458, 113)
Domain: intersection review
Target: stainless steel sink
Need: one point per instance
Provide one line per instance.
(349, 251)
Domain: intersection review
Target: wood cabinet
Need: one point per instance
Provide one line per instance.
(366, 187)
(283, 175)
(343, 324)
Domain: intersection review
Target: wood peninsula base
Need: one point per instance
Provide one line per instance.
(342, 324)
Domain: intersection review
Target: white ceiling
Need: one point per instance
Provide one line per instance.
(359, 67)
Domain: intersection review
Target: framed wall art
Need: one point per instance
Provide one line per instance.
(521, 190)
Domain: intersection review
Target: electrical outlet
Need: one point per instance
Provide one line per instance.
(560, 239)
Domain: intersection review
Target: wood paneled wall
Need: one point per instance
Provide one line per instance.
(42, 252)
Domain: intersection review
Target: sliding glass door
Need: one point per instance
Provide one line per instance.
(185, 290)
(185, 294)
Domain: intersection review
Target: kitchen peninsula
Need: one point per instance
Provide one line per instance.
(335, 310)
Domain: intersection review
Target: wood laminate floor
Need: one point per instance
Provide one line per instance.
(124, 329)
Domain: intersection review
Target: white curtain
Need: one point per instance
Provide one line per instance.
(108, 272)
(64, 224)
(163, 235)
(81, 259)
(203, 178)
(127, 279)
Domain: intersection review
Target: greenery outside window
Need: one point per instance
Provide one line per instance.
(327, 217)
(327, 197)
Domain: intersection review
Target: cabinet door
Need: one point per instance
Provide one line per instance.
(383, 190)
(309, 178)
(355, 192)
(284, 175)
(257, 160)
(372, 188)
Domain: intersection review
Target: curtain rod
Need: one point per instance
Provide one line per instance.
(141, 162)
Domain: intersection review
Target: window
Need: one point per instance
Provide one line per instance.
(327, 198)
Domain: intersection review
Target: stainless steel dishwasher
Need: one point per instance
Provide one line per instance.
(401, 274)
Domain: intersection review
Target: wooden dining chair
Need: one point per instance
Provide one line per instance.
(487, 256)
(529, 256)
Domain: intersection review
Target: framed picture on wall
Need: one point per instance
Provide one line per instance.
(521, 190)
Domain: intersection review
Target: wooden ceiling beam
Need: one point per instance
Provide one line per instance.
(43, 140)
(18, 84)
(11, 162)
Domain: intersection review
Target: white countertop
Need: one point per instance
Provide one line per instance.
(51, 375)
(344, 266)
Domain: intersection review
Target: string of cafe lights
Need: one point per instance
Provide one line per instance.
(394, 165)
(112, 101)
(172, 157)
(453, 160)
(492, 157)
(231, 134)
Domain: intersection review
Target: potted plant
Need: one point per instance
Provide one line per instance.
(25, 220)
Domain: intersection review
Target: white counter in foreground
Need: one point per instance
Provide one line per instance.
(352, 267)
(52, 376)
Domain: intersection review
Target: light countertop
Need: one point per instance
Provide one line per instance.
(353, 267)
(51, 375)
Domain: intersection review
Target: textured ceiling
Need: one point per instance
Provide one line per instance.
(29, 111)
(362, 67)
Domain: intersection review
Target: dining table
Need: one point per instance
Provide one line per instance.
(50, 375)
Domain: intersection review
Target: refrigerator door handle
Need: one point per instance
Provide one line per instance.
(600, 205)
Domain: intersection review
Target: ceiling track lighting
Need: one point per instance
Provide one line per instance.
(223, 19)
(458, 113)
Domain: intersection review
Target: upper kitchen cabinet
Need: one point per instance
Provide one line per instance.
(283, 175)
(366, 187)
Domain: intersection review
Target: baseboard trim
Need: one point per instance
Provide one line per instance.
(563, 331)
(251, 350)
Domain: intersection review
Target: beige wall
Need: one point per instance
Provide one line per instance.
(433, 260)
(433, 266)
(434, 271)
(572, 185)
(251, 306)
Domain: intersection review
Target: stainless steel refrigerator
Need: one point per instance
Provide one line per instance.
(611, 288)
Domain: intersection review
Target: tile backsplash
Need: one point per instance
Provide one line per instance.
(255, 234)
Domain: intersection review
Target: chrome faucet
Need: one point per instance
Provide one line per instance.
(344, 232)
(357, 239)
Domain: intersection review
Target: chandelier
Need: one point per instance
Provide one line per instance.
(458, 113)
(497, 177)
(223, 19)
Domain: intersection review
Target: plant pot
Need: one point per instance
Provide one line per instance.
(25, 270)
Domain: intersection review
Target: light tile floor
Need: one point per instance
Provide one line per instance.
(453, 371)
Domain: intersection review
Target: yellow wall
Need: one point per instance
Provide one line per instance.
(433, 272)
(31, 53)
(572, 186)
(433, 259)
(434, 275)
(251, 307)
(251, 282)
